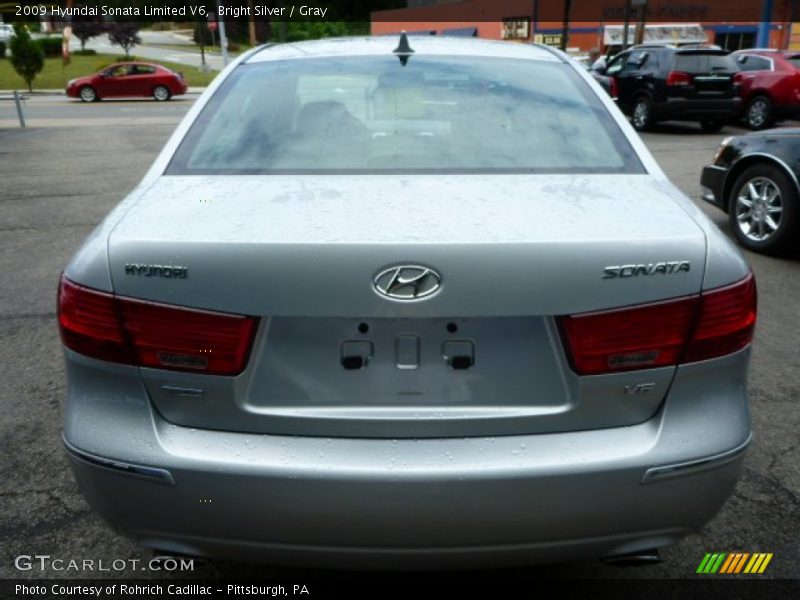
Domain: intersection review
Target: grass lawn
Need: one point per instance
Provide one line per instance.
(195, 49)
(53, 77)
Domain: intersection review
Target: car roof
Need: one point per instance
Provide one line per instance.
(136, 62)
(131, 63)
(385, 44)
(768, 53)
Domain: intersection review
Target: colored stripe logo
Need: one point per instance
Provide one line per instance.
(734, 563)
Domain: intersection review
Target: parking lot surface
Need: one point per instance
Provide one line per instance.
(60, 176)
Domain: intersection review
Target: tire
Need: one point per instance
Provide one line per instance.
(642, 115)
(763, 209)
(759, 113)
(161, 93)
(712, 125)
(88, 94)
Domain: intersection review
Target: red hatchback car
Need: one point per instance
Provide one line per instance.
(127, 80)
(770, 86)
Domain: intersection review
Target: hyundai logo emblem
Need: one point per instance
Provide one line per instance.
(407, 282)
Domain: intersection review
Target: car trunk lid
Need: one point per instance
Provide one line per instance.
(481, 356)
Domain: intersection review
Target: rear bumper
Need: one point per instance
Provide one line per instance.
(427, 503)
(712, 180)
(696, 110)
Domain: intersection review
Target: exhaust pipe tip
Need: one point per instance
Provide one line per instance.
(634, 559)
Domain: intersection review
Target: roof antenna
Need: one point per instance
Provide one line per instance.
(403, 50)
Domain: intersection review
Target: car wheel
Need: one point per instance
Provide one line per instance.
(642, 114)
(712, 125)
(763, 209)
(161, 93)
(87, 94)
(759, 113)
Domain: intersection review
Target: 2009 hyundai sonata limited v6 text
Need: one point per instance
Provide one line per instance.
(426, 304)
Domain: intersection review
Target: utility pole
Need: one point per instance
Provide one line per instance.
(223, 40)
(641, 20)
(626, 26)
(565, 27)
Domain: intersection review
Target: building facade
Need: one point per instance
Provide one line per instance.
(599, 23)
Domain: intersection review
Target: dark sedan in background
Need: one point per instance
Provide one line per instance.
(125, 80)
(754, 178)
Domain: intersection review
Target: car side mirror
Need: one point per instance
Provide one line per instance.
(642, 60)
(741, 59)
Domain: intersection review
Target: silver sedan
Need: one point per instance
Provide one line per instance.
(393, 302)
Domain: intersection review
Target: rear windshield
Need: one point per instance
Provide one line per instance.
(436, 114)
(705, 63)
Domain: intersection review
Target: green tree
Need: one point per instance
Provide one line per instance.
(27, 56)
(125, 34)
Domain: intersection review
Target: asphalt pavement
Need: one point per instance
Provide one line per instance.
(61, 175)
(57, 110)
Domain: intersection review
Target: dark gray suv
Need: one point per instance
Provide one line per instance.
(662, 83)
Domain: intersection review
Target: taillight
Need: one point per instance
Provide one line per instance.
(678, 79)
(614, 87)
(136, 332)
(89, 323)
(714, 323)
(648, 336)
(726, 320)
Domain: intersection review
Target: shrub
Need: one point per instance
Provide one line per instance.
(86, 52)
(164, 26)
(2, 49)
(27, 57)
(51, 46)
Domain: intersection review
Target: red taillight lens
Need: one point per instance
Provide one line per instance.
(167, 337)
(726, 321)
(89, 323)
(678, 78)
(614, 87)
(715, 323)
(136, 332)
(647, 336)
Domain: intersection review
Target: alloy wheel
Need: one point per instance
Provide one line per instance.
(88, 94)
(161, 93)
(640, 114)
(759, 208)
(757, 114)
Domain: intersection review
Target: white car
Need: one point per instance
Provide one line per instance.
(6, 32)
